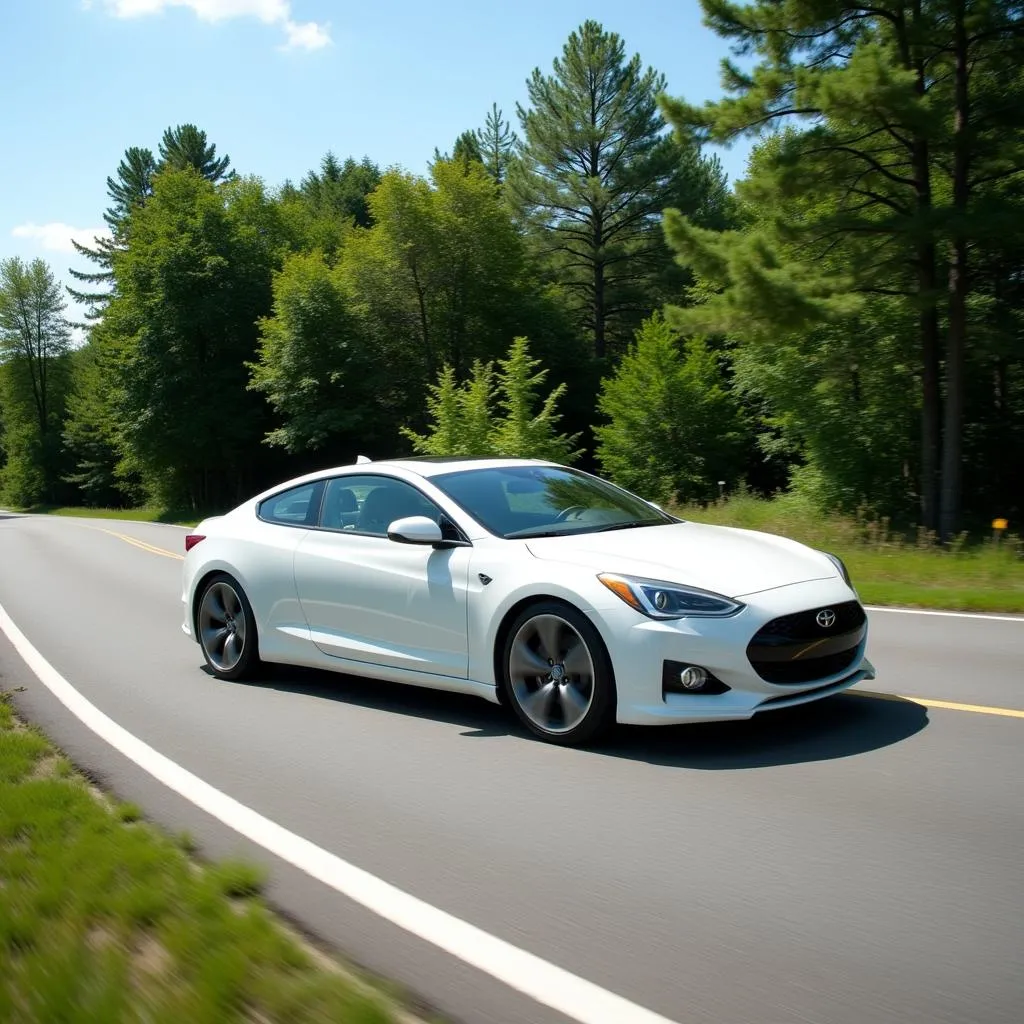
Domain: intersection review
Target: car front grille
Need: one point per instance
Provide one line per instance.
(798, 649)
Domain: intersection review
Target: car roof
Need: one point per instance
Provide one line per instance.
(425, 466)
(435, 465)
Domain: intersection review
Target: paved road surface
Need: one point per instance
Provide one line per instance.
(855, 862)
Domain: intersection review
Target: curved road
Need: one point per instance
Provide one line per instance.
(854, 862)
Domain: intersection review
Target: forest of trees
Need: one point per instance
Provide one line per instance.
(847, 320)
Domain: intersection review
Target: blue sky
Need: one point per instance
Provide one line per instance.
(276, 83)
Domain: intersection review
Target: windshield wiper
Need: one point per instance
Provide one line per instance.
(531, 534)
(631, 525)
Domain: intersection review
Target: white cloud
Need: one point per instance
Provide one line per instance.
(306, 36)
(56, 236)
(300, 35)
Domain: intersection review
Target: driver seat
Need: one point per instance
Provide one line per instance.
(383, 505)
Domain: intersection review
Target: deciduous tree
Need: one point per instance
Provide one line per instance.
(191, 286)
(35, 341)
(312, 363)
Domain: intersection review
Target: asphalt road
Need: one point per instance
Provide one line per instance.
(858, 861)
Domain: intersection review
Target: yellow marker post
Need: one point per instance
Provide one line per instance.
(998, 526)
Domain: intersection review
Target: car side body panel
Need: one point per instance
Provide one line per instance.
(369, 599)
(433, 616)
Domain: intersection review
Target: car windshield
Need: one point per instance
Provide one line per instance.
(546, 501)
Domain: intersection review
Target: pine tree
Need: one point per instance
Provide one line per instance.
(496, 143)
(186, 146)
(341, 189)
(460, 416)
(672, 430)
(889, 159)
(593, 175)
(521, 431)
(180, 147)
(495, 413)
(133, 185)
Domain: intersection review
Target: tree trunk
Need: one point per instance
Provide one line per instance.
(421, 302)
(931, 399)
(600, 345)
(952, 469)
(928, 322)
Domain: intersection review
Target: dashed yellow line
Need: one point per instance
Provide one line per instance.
(948, 705)
(134, 541)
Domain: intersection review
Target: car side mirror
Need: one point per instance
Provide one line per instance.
(415, 530)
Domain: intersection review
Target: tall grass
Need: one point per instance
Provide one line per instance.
(135, 515)
(104, 918)
(888, 566)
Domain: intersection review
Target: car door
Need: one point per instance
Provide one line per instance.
(265, 551)
(370, 599)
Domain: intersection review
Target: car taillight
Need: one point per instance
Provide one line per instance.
(192, 539)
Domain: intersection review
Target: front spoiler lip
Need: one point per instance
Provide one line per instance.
(864, 672)
(696, 709)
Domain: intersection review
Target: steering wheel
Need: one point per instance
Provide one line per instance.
(566, 512)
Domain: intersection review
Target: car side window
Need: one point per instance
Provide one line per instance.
(298, 506)
(370, 504)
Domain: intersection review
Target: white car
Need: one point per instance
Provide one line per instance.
(571, 600)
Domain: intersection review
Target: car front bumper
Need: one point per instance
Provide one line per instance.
(640, 647)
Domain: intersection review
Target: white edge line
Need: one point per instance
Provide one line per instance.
(948, 615)
(576, 998)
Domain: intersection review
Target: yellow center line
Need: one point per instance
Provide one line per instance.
(138, 543)
(948, 705)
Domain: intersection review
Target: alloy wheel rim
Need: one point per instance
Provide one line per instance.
(222, 626)
(552, 673)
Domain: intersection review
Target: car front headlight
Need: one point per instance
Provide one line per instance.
(660, 600)
(841, 566)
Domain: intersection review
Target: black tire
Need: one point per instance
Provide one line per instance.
(224, 612)
(548, 705)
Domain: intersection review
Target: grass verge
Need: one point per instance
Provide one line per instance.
(135, 515)
(888, 567)
(104, 918)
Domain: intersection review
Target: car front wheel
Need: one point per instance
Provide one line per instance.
(227, 629)
(557, 674)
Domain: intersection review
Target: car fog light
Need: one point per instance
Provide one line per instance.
(693, 677)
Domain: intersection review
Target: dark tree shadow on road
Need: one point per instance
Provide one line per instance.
(839, 726)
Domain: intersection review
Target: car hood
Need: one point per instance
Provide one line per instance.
(721, 559)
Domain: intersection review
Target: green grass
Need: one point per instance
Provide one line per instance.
(890, 568)
(135, 515)
(103, 918)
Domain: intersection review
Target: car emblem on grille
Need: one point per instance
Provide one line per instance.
(826, 618)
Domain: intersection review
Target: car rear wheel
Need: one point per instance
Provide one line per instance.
(227, 629)
(557, 674)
